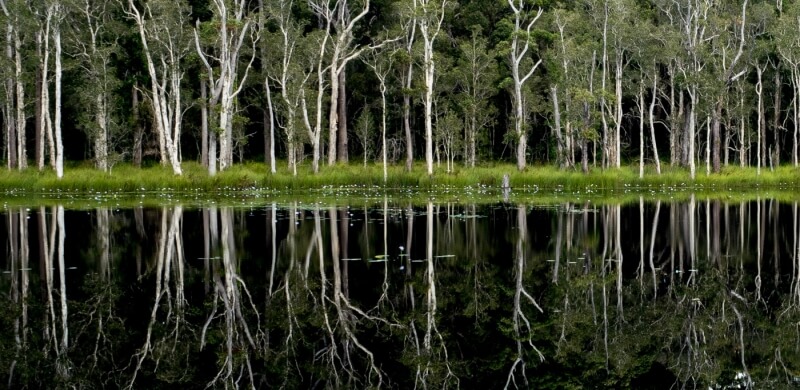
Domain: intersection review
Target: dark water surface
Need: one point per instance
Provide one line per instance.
(697, 294)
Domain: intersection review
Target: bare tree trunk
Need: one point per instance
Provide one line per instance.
(8, 112)
(57, 122)
(203, 123)
(518, 52)
(641, 130)
(652, 119)
(39, 107)
(22, 153)
(776, 118)
(708, 146)
(101, 138)
(692, 121)
(760, 121)
(342, 118)
(796, 106)
(270, 140)
(430, 72)
(138, 128)
(561, 157)
(742, 137)
(618, 104)
(716, 139)
(675, 124)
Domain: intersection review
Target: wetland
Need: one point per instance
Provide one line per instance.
(365, 289)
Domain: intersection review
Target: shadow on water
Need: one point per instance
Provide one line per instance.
(653, 294)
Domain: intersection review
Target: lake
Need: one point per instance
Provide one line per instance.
(393, 293)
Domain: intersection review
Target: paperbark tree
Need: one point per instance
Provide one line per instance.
(14, 108)
(475, 70)
(289, 71)
(409, 27)
(563, 75)
(58, 16)
(727, 76)
(227, 34)
(522, 68)
(94, 44)
(165, 42)
(314, 129)
(429, 17)
(269, 111)
(788, 47)
(364, 128)
(339, 23)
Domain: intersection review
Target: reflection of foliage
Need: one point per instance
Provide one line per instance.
(706, 330)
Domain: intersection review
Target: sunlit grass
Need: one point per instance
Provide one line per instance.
(125, 178)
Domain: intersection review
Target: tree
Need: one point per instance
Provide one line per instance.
(364, 130)
(58, 17)
(406, 57)
(476, 72)
(228, 31)
(94, 45)
(449, 135)
(787, 43)
(14, 108)
(381, 64)
(522, 68)
(429, 17)
(339, 24)
(727, 76)
(269, 111)
(165, 43)
(289, 71)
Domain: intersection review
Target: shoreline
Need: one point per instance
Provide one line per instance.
(243, 185)
(255, 176)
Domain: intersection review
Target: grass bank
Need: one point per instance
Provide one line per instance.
(250, 185)
(255, 177)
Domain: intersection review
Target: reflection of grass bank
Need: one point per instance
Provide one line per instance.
(371, 196)
(482, 184)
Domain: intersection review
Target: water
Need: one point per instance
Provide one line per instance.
(382, 294)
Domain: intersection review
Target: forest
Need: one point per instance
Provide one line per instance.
(581, 85)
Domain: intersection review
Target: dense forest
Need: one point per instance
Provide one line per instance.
(585, 84)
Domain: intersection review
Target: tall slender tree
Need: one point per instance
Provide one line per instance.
(229, 30)
(522, 66)
(165, 42)
(429, 17)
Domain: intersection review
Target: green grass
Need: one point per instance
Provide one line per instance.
(252, 180)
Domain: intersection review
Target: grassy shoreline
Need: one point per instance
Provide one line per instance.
(250, 184)
(255, 176)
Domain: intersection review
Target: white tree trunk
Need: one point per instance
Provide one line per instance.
(234, 27)
(618, 124)
(430, 70)
(652, 121)
(271, 129)
(430, 23)
(641, 132)
(760, 118)
(165, 92)
(691, 135)
(57, 124)
(22, 155)
(517, 54)
(101, 138)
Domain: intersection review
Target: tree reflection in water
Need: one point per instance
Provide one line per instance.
(401, 296)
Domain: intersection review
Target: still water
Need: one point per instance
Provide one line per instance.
(690, 294)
